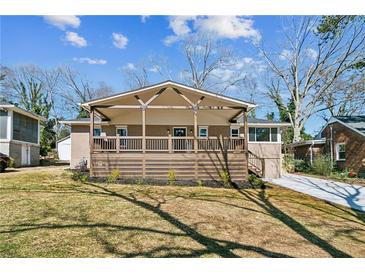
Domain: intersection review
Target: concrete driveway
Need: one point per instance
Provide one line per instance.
(335, 192)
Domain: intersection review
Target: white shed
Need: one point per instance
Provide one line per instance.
(64, 149)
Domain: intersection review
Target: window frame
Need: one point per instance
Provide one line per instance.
(203, 127)
(234, 128)
(121, 127)
(99, 128)
(278, 137)
(338, 151)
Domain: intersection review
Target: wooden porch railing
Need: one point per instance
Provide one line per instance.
(166, 144)
(256, 164)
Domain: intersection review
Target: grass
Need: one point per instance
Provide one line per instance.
(46, 214)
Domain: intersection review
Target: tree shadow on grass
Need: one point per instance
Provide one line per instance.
(212, 246)
(263, 201)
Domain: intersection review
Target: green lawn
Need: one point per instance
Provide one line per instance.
(43, 213)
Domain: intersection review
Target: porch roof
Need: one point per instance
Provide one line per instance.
(169, 84)
(168, 103)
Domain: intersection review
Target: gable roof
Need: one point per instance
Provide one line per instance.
(170, 83)
(355, 123)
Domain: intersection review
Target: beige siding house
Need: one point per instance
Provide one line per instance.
(169, 126)
(19, 134)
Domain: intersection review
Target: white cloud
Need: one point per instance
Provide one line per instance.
(119, 40)
(223, 27)
(311, 53)
(129, 66)
(90, 61)
(76, 40)
(231, 27)
(63, 21)
(144, 18)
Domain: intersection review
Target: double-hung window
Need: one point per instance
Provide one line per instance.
(235, 132)
(340, 152)
(203, 131)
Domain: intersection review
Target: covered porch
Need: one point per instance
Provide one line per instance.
(169, 123)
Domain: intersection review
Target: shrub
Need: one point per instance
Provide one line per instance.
(171, 178)
(80, 176)
(113, 177)
(301, 165)
(11, 163)
(255, 181)
(288, 162)
(139, 181)
(226, 178)
(200, 183)
(322, 165)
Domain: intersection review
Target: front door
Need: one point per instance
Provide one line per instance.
(179, 143)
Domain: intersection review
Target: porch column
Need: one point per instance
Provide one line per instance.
(91, 134)
(246, 137)
(144, 128)
(195, 131)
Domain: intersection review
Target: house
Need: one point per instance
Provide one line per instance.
(343, 139)
(64, 149)
(198, 134)
(19, 134)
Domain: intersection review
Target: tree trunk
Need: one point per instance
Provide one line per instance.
(296, 133)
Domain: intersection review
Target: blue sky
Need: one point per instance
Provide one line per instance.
(100, 46)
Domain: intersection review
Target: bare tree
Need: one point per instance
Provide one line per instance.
(346, 97)
(136, 76)
(76, 89)
(307, 68)
(211, 65)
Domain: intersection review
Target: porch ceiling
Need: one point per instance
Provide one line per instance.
(169, 103)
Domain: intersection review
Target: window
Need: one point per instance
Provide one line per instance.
(340, 152)
(252, 134)
(97, 131)
(203, 131)
(122, 131)
(263, 134)
(274, 134)
(25, 128)
(3, 123)
(235, 132)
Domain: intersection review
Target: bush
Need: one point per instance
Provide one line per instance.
(226, 178)
(256, 182)
(171, 178)
(200, 183)
(113, 177)
(288, 162)
(11, 163)
(322, 165)
(139, 181)
(80, 176)
(301, 166)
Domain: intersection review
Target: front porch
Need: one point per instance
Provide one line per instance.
(158, 144)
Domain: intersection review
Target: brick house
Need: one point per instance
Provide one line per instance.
(343, 138)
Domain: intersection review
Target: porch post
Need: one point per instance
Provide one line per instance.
(195, 131)
(143, 129)
(246, 137)
(91, 134)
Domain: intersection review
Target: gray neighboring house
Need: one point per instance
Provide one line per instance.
(19, 134)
